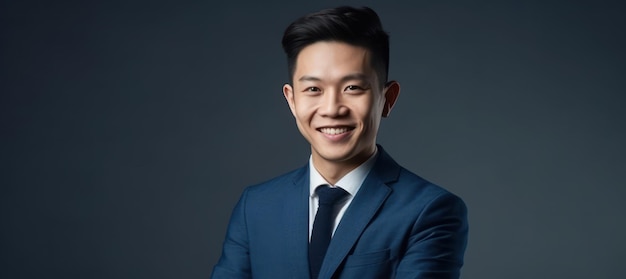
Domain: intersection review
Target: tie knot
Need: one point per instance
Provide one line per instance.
(329, 195)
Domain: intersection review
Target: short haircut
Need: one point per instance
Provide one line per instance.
(355, 26)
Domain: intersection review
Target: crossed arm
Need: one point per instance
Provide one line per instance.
(434, 248)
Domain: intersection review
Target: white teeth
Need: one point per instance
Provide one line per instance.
(333, 131)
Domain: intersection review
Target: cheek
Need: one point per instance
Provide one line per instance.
(369, 110)
(303, 112)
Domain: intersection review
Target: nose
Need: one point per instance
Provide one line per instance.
(332, 104)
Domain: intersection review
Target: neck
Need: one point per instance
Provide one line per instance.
(333, 171)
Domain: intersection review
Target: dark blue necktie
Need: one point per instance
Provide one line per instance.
(323, 226)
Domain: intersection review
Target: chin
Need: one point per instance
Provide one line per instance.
(337, 153)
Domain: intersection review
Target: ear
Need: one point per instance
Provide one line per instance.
(288, 93)
(392, 90)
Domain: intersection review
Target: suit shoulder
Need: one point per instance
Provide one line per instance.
(404, 183)
(278, 182)
(409, 182)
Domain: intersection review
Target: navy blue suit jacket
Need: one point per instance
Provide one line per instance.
(397, 226)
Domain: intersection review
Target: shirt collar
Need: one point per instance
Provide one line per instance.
(351, 182)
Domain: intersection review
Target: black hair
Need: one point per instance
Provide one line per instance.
(355, 26)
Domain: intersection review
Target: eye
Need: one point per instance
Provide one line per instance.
(312, 89)
(354, 88)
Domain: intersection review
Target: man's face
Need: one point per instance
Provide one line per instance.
(337, 101)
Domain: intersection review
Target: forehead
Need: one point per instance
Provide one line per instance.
(329, 60)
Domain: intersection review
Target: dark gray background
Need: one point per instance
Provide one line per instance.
(129, 129)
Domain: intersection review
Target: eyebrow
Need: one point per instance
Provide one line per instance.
(358, 76)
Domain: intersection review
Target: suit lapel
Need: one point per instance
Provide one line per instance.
(364, 206)
(296, 216)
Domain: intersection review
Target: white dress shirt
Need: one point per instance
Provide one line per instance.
(351, 183)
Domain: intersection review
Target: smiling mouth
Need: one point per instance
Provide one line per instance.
(335, 131)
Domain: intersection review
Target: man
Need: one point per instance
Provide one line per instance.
(351, 212)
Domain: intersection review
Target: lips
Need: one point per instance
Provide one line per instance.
(335, 130)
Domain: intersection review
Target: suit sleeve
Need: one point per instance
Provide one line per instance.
(438, 240)
(235, 259)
